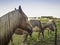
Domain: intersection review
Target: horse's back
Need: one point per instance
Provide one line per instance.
(35, 22)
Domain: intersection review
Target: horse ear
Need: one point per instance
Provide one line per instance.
(20, 10)
(15, 9)
(19, 7)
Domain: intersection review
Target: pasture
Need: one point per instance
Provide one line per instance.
(17, 39)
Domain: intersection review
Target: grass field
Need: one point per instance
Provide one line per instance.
(17, 39)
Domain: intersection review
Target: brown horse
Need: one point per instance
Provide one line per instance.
(9, 22)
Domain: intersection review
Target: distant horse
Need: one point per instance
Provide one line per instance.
(37, 23)
(25, 34)
(9, 22)
(42, 26)
(49, 25)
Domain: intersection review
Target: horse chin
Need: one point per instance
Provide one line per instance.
(30, 32)
(30, 35)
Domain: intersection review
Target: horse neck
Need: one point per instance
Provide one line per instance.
(53, 23)
(41, 25)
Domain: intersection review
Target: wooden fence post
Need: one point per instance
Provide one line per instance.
(55, 37)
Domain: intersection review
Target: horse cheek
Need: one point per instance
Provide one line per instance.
(24, 24)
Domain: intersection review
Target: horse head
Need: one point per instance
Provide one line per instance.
(25, 24)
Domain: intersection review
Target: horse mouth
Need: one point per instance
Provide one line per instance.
(30, 35)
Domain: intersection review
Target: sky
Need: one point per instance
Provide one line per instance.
(32, 8)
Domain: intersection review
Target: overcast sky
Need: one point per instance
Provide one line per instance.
(32, 7)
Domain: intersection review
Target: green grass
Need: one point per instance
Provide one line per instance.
(17, 39)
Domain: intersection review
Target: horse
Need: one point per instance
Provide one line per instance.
(9, 22)
(43, 25)
(25, 34)
(37, 23)
(51, 25)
